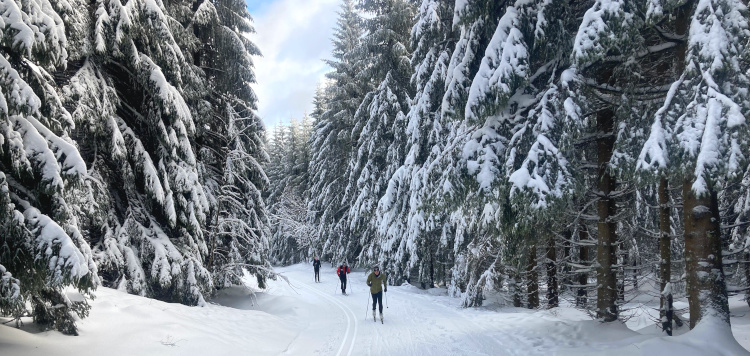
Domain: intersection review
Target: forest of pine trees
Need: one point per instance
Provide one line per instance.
(531, 150)
(537, 150)
(131, 155)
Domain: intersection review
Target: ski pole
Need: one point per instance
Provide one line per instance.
(386, 299)
(367, 305)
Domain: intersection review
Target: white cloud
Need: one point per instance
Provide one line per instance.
(295, 37)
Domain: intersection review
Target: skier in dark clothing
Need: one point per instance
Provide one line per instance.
(378, 283)
(316, 267)
(342, 272)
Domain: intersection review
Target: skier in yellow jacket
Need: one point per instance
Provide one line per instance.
(378, 284)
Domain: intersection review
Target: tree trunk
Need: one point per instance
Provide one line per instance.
(623, 277)
(516, 289)
(706, 288)
(668, 314)
(583, 258)
(552, 291)
(532, 282)
(432, 270)
(665, 240)
(606, 301)
(566, 277)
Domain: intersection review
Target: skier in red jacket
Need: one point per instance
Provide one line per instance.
(342, 272)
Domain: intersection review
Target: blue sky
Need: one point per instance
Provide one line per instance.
(294, 37)
(255, 6)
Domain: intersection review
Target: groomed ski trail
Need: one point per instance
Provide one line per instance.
(351, 320)
(417, 324)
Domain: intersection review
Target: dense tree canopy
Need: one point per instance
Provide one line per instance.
(130, 152)
(481, 145)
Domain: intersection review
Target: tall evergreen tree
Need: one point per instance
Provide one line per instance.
(334, 135)
(229, 140)
(239, 233)
(151, 70)
(404, 211)
(42, 174)
(699, 135)
(292, 234)
(140, 145)
(516, 169)
(381, 143)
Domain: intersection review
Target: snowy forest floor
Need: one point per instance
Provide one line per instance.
(307, 318)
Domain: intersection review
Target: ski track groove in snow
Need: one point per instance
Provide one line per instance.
(350, 319)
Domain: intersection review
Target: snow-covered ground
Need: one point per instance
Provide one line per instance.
(307, 318)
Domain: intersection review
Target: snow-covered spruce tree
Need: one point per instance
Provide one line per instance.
(274, 168)
(293, 233)
(617, 58)
(446, 188)
(739, 231)
(333, 137)
(290, 158)
(604, 22)
(513, 113)
(381, 143)
(239, 231)
(652, 213)
(300, 145)
(536, 163)
(699, 136)
(135, 98)
(277, 149)
(479, 264)
(42, 250)
(476, 22)
(289, 184)
(228, 139)
(404, 214)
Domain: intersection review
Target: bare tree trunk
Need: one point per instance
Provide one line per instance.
(636, 273)
(706, 288)
(623, 277)
(606, 301)
(665, 240)
(566, 277)
(432, 270)
(516, 289)
(583, 278)
(552, 291)
(532, 282)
